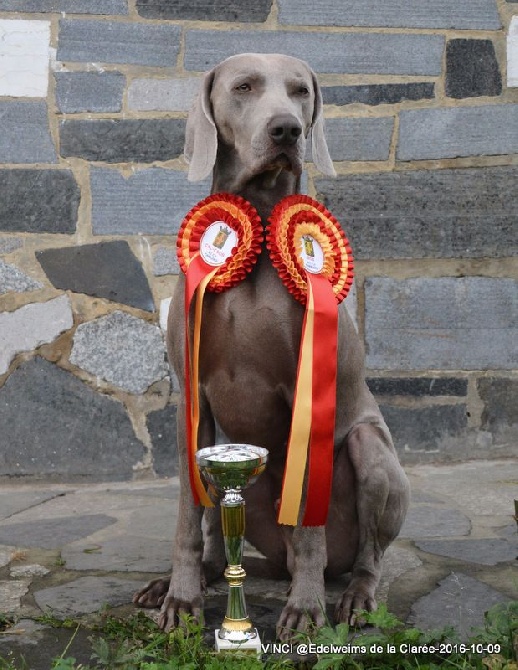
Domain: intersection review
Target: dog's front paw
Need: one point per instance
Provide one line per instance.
(175, 611)
(354, 599)
(300, 618)
(153, 594)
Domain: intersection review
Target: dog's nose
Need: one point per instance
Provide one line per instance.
(284, 129)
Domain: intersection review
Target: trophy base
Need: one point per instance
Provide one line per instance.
(252, 645)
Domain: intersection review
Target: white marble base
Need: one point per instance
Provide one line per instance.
(252, 646)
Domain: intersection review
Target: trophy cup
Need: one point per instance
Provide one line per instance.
(230, 468)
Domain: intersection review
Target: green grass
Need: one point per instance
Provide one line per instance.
(385, 643)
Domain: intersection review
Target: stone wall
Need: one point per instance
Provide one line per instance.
(422, 118)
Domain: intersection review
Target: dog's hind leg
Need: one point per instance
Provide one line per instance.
(382, 495)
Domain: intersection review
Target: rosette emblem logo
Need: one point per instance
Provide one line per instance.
(311, 255)
(217, 243)
(221, 237)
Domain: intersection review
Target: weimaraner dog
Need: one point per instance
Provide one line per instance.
(249, 127)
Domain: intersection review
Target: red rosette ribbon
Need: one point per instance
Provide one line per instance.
(314, 260)
(293, 220)
(218, 244)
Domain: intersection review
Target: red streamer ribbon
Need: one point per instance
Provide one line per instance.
(313, 258)
(323, 393)
(197, 277)
(211, 264)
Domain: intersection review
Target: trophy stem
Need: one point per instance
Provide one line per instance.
(236, 627)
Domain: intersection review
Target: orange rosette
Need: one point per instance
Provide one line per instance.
(314, 260)
(298, 222)
(226, 232)
(218, 244)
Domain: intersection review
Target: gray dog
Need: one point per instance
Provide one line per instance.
(249, 126)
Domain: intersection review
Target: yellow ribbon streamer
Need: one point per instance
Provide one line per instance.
(300, 425)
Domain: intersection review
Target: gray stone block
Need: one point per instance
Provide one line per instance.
(465, 323)
(141, 522)
(12, 279)
(111, 7)
(418, 386)
(105, 270)
(486, 130)
(434, 521)
(396, 563)
(472, 69)
(28, 571)
(162, 430)
(5, 553)
(377, 94)
(121, 349)
(488, 551)
(117, 42)
(427, 213)
(425, 428)
(123, 553)
(55, 426)
(12, 502)
(122, 140)
(175, 95)
(25, 136)
(86, 595)
(53, 533)
(152, 201)
(463, 14)
(459, 601)
(24, 631)
(480, 488)
(359, 139)
(11, 593)
(38, 201)
(351, 53)
(165, 262)
(500, 413)
(38, 645)
(206, 10)
(31, 326)
(8, 244)
(89, 91)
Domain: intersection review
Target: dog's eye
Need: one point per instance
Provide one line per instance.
(303, 90)
(243, 88)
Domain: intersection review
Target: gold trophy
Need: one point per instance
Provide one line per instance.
(230, 468)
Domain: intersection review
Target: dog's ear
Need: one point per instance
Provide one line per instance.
(201, 136)
(321, 157)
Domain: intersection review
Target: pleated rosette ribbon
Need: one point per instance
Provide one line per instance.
(314, 260)
(217, 246)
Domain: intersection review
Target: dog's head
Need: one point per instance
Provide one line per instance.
(262, 107)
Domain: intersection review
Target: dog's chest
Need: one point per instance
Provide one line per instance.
(255, 328)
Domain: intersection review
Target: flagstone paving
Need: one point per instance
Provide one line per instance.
(72, 550)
